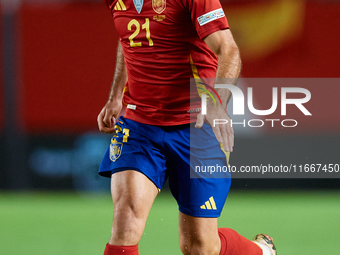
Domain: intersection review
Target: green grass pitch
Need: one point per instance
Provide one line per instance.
(71, 224)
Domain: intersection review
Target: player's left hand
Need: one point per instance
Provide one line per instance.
(224, 133)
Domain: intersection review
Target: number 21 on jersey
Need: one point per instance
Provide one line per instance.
(134, 24)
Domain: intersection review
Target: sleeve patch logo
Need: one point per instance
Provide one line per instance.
(210, 16)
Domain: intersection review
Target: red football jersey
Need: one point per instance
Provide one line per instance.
(163, 46)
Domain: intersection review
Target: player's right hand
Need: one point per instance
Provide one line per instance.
(223, 133)
(108, 116)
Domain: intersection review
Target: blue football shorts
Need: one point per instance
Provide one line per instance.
(190, 157)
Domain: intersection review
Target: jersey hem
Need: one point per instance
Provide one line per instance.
(133, 116)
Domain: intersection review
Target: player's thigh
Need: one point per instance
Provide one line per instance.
(132, 194)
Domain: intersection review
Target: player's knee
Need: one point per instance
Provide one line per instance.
(128, 223)
(128, 206)
(126, 228)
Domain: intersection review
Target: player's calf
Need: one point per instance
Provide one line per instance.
(199, 248)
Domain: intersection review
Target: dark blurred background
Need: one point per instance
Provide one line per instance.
(57, 62)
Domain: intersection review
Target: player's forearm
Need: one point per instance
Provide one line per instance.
(223, 45)
(119, 78)
(228, 69)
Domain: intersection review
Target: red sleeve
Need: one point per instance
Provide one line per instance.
(207, 16)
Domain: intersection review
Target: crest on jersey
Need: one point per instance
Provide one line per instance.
(115, 150)
(138, 5)
(158, 5)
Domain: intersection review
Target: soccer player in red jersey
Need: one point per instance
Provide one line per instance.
(164, 44)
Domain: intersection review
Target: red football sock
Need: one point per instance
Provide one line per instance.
(234, 244)
(121, 250)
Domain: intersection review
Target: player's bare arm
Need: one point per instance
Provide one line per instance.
(110, 112)
(229, 66)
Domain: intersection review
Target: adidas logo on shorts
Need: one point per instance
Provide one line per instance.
(209, 205)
